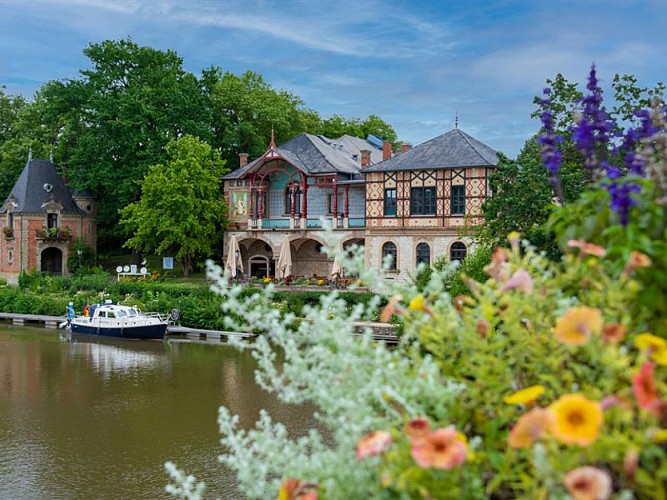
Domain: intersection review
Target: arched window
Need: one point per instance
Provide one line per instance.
(458, 251)
(288, 200)
(389, 248)
(423, 254)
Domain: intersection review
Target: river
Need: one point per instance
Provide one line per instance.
(96, 418)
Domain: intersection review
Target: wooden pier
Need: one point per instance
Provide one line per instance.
(382, 332)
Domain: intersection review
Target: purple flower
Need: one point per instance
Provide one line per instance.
(621, 198)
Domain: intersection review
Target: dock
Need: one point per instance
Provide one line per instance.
(382, 332)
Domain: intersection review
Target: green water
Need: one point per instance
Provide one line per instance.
(96, 419)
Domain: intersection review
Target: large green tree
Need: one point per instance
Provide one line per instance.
(122, 113)
(181, 211)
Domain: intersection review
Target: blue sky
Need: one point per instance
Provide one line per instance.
(416, 64)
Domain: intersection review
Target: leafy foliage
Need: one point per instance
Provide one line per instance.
(181, 210)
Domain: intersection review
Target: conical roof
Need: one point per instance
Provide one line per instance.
(39, 183)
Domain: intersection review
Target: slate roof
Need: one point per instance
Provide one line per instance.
(452, 149)
(355, 145)
(30, 190)
(315, 154)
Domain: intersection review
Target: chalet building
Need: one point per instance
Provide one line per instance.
(40, 220)
(418, 201)
(411, 205)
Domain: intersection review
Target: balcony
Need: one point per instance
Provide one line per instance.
(54, 234)
(297, 223)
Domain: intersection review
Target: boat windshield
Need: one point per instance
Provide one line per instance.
(133, 312)
(120, 313)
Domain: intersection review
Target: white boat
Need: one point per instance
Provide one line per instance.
(112, 320)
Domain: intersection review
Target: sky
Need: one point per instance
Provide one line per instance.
(416, 64)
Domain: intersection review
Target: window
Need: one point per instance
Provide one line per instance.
(458, 251)
(52, 221)
(389, 248)
(390, 201)
(458, 201)
(330, 204)
(422, 201)
(423, 254)
(288, 200)
(10, 219)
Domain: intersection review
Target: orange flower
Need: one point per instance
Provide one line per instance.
(587, 248)
(588, 483)
(636, 260)
(296, 489)
(392, 307)
(525, 396)
(529, 428)
(613, 333)
(373, 443)
(577, 420)
(646, 390)
(418, 430)
(520, 280)
(578, 324)
(442, 449)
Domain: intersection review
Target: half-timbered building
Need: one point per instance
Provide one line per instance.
(418, 201)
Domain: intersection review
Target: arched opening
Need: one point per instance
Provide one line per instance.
(259, 259)
(52, 261)
(308, 260)
(423, 254)
(389, 248)
(458, 251)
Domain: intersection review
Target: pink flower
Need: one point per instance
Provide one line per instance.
(418, 430)
(587, 248)
(442, 449)
(520, 280)
(498, 268)
(373, 443)
(588, 483)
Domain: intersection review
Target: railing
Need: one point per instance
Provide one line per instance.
(313, 223)
(357, 222)
(278, 223)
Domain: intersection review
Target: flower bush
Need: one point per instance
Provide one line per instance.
(547, 380)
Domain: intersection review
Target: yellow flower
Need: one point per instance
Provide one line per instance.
(577, 420)
(525, 396)
(655, 347)
(658, 435)
(419, 304)
(578, 324)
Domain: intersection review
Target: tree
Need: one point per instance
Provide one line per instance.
(124, 111)
(181, 210)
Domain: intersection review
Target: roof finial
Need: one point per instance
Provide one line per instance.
(30, 153)
(273, 141)
(456, 120)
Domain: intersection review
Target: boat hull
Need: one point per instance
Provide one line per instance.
(145, 332)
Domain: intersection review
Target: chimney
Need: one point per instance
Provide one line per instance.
(243, 159)
(365, 158)
(405, 147)
(386, 150)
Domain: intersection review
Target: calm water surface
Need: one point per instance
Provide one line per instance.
(98, 418)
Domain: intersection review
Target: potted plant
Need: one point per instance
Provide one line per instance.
(9, 232)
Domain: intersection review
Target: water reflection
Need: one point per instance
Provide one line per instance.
(97, 418)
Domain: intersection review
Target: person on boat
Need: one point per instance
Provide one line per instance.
(91, 311)
(86, 311)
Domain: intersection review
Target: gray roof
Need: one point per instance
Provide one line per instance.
(450, 150)
(39, 183)
(316, 154)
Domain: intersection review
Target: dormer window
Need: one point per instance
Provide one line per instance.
(52, 221)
